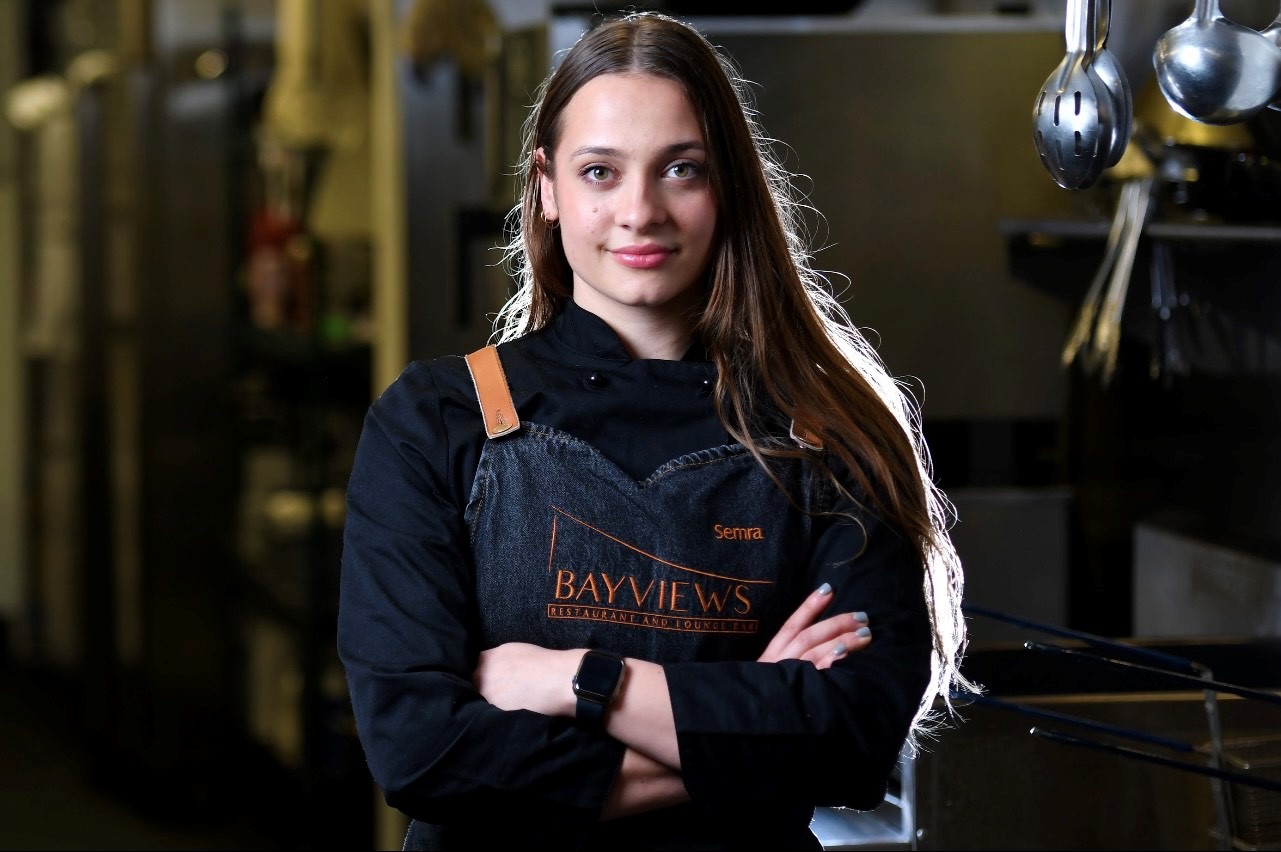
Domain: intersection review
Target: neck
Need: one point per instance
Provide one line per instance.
(646, 333)
(666, 341)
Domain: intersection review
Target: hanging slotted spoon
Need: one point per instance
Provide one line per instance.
(1072, 119)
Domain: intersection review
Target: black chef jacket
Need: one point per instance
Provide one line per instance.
(766, 741)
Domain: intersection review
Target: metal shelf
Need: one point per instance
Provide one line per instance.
(1037, 231)
(1230, 268)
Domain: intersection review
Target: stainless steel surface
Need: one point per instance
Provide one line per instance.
(1256, 813)
(891, 825)
(989, 784)
(1109, 69)
(1188, 584)
(1162, 668)
(1216, 71)
(1073, 120)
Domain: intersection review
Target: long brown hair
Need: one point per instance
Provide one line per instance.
(771, 323)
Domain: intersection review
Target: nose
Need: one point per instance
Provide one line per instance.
(640, 205)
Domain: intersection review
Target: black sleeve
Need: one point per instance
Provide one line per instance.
(439, 751)
(787, 732)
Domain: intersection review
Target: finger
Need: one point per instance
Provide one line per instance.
(823, 656)
(804, 616)
(823, 633)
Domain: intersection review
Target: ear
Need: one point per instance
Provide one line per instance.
(546, 192)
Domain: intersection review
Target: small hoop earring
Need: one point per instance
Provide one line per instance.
(552, 224)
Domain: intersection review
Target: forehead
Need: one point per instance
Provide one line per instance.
(631, 113)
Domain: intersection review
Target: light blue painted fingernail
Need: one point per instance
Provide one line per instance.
(860, 617)
(839, 650)
(825, 589)
(863, 632)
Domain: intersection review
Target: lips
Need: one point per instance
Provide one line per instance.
(645, 256)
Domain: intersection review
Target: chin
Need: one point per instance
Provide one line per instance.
(655, 300)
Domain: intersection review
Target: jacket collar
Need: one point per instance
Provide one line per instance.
(587, 334)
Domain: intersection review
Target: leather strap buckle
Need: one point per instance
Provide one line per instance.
(805, 436)
(493, 392)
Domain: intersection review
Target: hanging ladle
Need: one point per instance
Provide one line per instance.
(1215, 71)
(1272, 32)
(1072, 121)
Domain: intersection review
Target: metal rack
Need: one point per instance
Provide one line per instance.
(1245, 773)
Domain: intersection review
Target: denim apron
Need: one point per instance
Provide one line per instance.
(704, 559)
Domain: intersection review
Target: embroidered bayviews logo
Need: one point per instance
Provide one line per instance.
(597, 576)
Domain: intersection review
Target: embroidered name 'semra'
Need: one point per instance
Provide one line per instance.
(739, 533)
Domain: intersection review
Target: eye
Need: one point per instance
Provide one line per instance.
(596, 173)
(685, 170)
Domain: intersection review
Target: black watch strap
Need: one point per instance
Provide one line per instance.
(590, 713)
(600, 673)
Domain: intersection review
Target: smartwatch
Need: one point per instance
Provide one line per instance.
(600, 674)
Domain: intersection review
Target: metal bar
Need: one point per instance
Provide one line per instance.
(1103, 727)
(1171, 660)
(1222, 793)
(1137, 754)
(1200, 683)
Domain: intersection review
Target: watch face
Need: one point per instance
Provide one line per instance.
(599, 676)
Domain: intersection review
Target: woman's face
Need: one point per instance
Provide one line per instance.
(631, 193)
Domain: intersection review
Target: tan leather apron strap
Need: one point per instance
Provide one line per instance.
(493, 393)
(805, 436)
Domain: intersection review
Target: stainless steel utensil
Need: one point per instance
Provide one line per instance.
(1272, 32)
(1073, 121)
(1107, 335)
(1157, 366)
(1167, 359)
(1089, 309)
(1215, 71)
(1109, 69)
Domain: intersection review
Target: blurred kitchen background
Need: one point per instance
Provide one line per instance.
(226, 225)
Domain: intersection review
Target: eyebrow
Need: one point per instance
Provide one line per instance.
(670, 150)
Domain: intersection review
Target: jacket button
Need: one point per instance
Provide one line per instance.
(597, 381)
(705, 388)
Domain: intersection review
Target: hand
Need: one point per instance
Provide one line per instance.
(519, 676)
(824, 642)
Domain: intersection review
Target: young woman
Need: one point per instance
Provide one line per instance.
(666, 568)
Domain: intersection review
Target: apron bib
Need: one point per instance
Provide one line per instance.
(702, 560)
